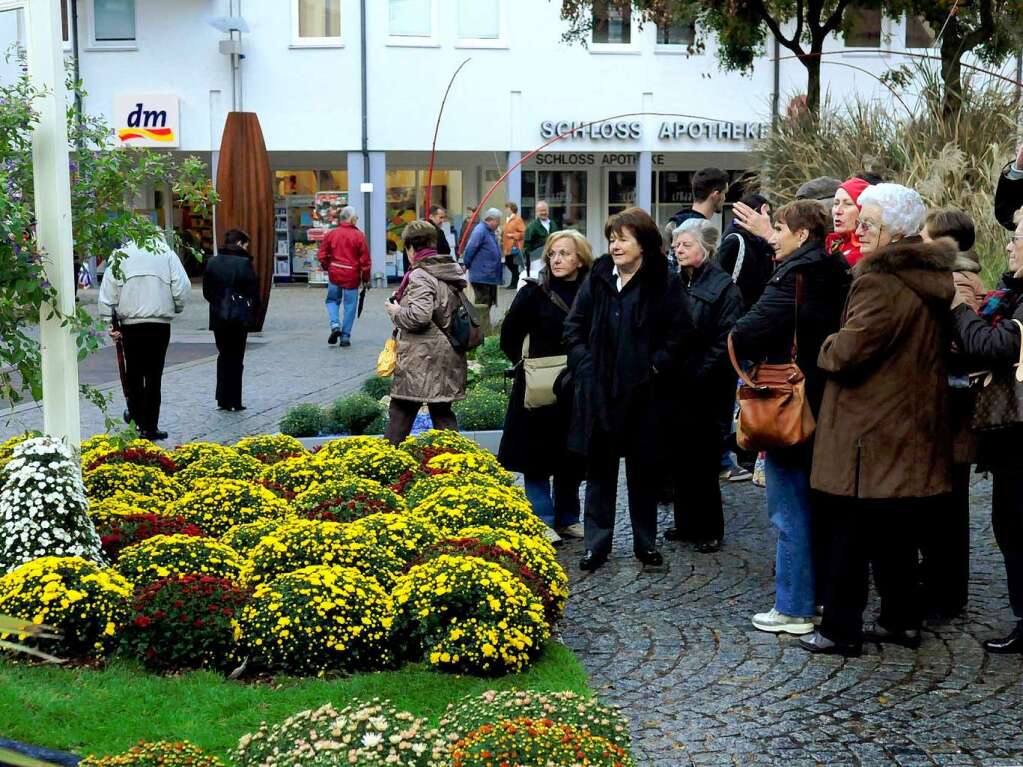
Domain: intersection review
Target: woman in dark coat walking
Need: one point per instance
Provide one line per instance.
(628, 336)
(716, 304)
(535, 441)
(992, 339)
(231, 287)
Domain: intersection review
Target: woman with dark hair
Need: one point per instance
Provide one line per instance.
(231, 287)
(802, 300)
(627, 335)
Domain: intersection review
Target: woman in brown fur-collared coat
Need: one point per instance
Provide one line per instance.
(428, 369)
(882, 453)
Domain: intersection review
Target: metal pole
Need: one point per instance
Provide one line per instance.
(776, 93)
(365, 130)
(53, 215)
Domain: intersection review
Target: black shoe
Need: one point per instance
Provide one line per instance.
(126, 416)
(335, 333)
(910, 638)
(155, 435)
(819, 644)
(674, 534)
(345, 342)
(708, 546)
(1010, 644)
(223, 407)
(237, 408)
(651, 558)
(592, 561)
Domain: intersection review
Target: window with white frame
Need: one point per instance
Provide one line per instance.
(410, 18)
(113, 22)
(479, 20)
(612, 24)
(316, 22)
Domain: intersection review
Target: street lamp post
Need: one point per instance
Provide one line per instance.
(52, 183)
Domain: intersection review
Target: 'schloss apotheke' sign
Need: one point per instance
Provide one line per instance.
(669, 130)
(147, 120)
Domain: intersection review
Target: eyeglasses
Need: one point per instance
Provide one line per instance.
(562, 254)
(867, 225)
(1013, 238)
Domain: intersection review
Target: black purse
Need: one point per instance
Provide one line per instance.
(237, 310)
(998, 403)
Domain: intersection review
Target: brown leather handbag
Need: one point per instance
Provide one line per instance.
(999, 396)
(773, 411)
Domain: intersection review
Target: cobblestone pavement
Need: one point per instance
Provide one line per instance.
(676, 651)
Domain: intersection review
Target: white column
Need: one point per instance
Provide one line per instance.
(378, 210)
(515, 179)
(53, 215)
(644, 180)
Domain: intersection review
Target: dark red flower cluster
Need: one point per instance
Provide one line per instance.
(120, 532)
(185, 622)
(345, 509)
(140, 455)
(406, 480)
(273, 457)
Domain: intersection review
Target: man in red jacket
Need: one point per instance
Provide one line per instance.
(345, 257)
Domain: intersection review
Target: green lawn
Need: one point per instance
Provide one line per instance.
(105, 712)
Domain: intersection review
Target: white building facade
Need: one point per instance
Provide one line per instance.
(143, 61)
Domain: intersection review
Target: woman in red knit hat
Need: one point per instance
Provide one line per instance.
(845, 212)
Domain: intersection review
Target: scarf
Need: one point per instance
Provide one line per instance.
(845, 244)
(418, 256)
(998, 305)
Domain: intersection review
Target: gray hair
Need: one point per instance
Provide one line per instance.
(492, 213)
(705, 232)
(347, 213)
(902, 209)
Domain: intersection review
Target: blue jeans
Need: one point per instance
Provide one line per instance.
(336, 295)
(560, 509)
(788, 508)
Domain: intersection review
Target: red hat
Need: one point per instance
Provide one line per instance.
(854, 188)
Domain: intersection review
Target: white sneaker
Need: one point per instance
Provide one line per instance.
(552, 537)
(574, 530)
(779, 623)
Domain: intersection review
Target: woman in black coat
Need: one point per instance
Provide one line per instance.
(716, 304)
(992, 340)
(231, 287)
(535, 441)
(628, 336)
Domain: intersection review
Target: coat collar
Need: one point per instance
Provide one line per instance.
(709, 282)
(809, 253)
(910, 253)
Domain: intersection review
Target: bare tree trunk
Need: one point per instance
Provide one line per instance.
(813, 81)
(952, 73)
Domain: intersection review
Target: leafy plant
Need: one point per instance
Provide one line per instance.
(491, 359)
(377, 386)
(481, 410)
(352, 414)
(305, 420)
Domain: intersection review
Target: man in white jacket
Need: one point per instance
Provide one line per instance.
(152, 286)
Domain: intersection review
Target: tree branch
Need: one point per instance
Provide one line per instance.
(835, 20)
(798, 34)
(983, 32)
(772, 24)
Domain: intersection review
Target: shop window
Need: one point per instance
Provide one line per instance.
(309, 182)
(564, 192)
(673, 190)
(410, 18)
(479, 19)
(621, 190)
(316, 22)
(677, 33)
(919, 34)
(113, 21)
(864, 27)
(406, 199)
(612, 24)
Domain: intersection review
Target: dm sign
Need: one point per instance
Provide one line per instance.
(147, 120)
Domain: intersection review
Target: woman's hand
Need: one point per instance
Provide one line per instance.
(392, 308)
(757, 223)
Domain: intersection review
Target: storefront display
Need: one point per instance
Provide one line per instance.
(564, 191)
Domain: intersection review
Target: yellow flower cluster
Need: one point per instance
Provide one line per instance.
(121, 505)
(111, 479)
(336, 448)
(453, 508)
(536, 741)
(84, 603)
(244, 538)
(95, 442)
(162, 753)
(427, 484)
(231, 465)
(316, 619)
(190, 452)
(467, 615)
(144, 447)
(348, 489)
(438, 439)
(298, 474)
(270, 448)
(383, 463)
(405, 535)
(471, 463)
(216, 505)
(165, 555)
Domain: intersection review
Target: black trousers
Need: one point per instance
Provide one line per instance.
(602, 498)
(945, 548)
(698, 512)
(1007, 523)
(145, 350)
(402, 415)
(872, 533)
(513, 267)
(231, 345)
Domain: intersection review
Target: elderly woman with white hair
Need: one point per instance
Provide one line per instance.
(482, 258)
(883, 452)
(716, 304)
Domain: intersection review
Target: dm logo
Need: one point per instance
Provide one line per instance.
(147, 120)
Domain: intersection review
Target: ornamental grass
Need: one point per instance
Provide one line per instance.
(271, 448)
(165, 555)
(318, 619)
(217, 504)
(82, 602)
(110, 479)
(467, 615)
(163, 753)
(455, 508)
(526, 741)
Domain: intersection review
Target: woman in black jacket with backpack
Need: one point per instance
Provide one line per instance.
(535, 440)
(231, 287)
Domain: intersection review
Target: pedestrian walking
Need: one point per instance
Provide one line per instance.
(429, 369)
(883, 453)
(535, 439)
(150, 288)
(344, 255)
(992, 339)
(799, 308)
(716, 304)
(709, 188)
(628, 336)
(482, 257)
(231, 288)
(512, 243)
(538, 231)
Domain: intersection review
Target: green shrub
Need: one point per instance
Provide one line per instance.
(377, 426)
(352, 414)
(498, 384)
(305, 420)
(377, 386)
(481, 410)
(491, 359)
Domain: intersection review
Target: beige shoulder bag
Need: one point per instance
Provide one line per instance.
(541, 373)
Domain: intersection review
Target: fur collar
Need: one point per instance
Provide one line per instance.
(966, 262)
(910, 253)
